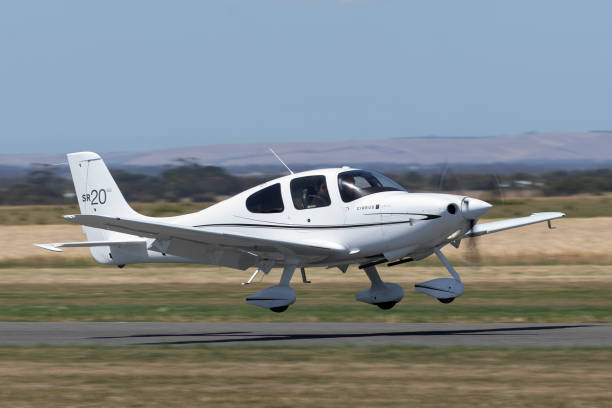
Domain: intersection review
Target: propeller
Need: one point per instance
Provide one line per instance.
(472, 209)
(472, 255)
(442, 176)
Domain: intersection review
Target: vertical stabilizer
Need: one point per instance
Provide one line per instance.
(97, 193)
(95, 188)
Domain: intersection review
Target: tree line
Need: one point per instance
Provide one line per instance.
(207, 183)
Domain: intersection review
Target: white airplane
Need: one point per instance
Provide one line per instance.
(327, 217)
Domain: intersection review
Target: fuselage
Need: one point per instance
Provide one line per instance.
(327, 217)
(372, 221)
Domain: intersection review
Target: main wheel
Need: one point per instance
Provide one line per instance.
(279, 309)
(386, 305)
(446, 301)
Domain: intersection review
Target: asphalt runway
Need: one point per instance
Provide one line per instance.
(304, 334)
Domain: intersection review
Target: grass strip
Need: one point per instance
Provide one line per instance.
(530, 301)
(304, 376)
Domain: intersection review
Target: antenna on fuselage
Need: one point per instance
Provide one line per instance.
(281, 160)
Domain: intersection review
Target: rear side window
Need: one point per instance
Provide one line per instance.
(309, 192)
(266, 200)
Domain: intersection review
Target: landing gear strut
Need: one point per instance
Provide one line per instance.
(251, 278)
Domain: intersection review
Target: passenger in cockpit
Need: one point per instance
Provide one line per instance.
(322, 190)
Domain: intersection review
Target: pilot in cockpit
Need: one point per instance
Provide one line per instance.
(309, 192)
(321, 196)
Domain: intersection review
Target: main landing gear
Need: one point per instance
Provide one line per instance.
(381, 294)
(443, 289)
(385, 295)
(276, 298)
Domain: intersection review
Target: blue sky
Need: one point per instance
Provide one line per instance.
(132, 75)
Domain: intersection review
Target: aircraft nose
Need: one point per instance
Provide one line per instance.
(473, 208)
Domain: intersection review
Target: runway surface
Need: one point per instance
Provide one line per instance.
(301, 334)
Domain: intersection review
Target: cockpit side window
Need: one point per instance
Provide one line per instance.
(309, 192)
(355, 184)
(266, 200)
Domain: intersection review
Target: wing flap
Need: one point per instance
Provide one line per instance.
(496, 226)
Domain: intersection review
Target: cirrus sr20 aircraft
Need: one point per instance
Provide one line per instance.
(327, 217)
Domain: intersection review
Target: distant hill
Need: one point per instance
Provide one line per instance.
(585, 149)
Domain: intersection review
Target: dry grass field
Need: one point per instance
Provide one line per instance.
(52, 214)
(574, 241)
(303, 377)
(209, 275)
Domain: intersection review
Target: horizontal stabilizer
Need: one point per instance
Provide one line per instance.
(496, 226)
(55, 247)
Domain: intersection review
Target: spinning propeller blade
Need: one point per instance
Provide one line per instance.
(472, 255)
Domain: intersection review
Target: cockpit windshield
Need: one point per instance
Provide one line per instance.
(355, 184)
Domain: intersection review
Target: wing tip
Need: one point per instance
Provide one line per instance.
(551, 214)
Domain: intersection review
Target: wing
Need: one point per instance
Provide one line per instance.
(169, 238)
(496, 226)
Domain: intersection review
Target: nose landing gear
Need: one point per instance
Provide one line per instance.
(443, 289)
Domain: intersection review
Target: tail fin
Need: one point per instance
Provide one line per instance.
(97, 192)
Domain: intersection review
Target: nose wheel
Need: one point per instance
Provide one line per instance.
(446, 301)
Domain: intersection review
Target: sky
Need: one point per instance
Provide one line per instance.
(139, 75)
